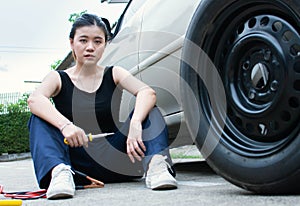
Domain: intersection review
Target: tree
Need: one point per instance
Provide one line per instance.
(55, 64)
(74, 16)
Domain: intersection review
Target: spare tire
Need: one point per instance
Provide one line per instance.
(241, 60)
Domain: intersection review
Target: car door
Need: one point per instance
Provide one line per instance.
(163, 29)
(122, 50)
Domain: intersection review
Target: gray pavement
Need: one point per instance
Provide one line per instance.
(198, 185)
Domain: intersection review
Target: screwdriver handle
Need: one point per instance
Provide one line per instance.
(89, 136)
(11, 202)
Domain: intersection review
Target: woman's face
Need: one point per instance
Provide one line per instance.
(88, 44)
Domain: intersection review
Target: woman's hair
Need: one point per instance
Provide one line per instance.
(90, 20)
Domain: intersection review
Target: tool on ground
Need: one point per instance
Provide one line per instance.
(10, 202)
(91, 137)
(94, 183)
(30, 195)
(27, 195)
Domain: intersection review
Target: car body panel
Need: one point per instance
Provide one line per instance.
(159, 59)
(122, 50)
(145, 59)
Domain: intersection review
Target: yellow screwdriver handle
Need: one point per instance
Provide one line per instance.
(89, 136)
(11, 202)
(66, 141)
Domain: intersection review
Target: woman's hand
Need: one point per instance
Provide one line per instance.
(135, 145)
(75, 136)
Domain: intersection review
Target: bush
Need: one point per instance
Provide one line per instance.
(14, 135)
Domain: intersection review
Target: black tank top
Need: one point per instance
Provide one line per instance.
(94, 112)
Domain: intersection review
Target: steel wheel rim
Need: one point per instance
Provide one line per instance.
(258, 121)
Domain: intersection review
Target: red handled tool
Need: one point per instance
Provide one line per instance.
(30, 195)
(27, 195)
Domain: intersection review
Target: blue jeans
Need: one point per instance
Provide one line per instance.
(105, 159)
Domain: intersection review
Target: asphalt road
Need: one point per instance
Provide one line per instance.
(198, 185)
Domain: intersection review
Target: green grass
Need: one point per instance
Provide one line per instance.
(184, 156)
(185, 152)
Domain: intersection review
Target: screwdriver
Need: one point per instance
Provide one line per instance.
(91, 137)
(10, 202)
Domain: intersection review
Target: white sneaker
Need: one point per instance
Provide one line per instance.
(62, 183)
(158, 177)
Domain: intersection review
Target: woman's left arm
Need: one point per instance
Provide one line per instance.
(145, 101)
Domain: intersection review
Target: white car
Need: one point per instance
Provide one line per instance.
(227, 76)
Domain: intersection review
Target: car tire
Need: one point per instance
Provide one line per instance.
(240, 90)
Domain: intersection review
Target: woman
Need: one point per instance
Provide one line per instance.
(87, 99)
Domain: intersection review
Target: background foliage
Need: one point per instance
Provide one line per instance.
(74, 16)
(14, 135)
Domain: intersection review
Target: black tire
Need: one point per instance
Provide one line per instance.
(248, 124)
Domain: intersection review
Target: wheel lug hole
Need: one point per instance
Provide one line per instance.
(274, 86)
(246, 65)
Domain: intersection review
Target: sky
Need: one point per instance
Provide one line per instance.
(34, 35)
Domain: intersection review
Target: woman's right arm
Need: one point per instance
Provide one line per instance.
(39, 101)
(40, 105)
